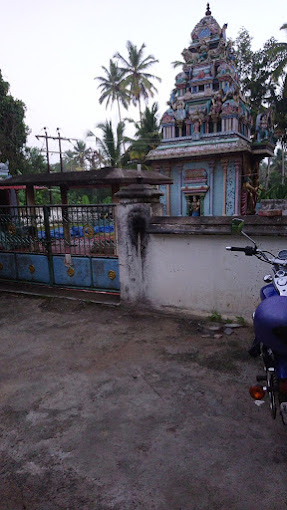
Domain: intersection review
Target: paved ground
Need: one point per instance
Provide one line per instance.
(102, 408)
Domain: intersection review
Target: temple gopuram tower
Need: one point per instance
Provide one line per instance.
(207, 148)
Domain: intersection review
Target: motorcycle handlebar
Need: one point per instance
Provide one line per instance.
(248, 250)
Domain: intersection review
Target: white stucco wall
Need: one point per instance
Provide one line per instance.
(196, 273)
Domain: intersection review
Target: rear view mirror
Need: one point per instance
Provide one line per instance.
(237, 225)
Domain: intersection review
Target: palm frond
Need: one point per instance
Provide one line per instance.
(135, 80)
(177, 63)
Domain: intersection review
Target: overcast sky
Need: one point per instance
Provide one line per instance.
(51, 50)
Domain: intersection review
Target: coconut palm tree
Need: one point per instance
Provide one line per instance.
(280, 50)
(78, 156)
(110, 144)
(112, 87)
(137, 80)
(147, 136)
(95, 159)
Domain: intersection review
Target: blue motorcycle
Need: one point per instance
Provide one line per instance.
(270, 327)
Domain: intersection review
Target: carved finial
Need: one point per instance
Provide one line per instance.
(208, 11)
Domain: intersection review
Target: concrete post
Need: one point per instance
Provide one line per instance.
(30, 195)
(138, 202)
(31, 211)
(65, 216)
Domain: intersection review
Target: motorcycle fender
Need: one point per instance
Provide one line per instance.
(270, 324)
(281, 368)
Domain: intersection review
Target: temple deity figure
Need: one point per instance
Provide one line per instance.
(181, 78)
(249, 195)
(194, 206)
(4, 168)
(216, 104)
(203, 52)
(213, 53)
(172, 99)
(230, 92)
(180, 113)
(188, 55)
(222, 48)
(262, 128)
(202, 115)
(230, 51)
(196, 120)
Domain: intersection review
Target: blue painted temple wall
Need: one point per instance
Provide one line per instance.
(175, 192)
(218, 190)
(230, 190)
(178, 199)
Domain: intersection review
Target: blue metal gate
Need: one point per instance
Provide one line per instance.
(72, 246)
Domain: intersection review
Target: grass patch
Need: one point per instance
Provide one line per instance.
(215, 316)
(240, 320)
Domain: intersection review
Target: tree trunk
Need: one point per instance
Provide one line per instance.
(119, 110)
(120, 119)
(140, 111)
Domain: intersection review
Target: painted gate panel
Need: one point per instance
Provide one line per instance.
(32, 268)
(36, 241)
(77, 275)
(8, 266)
(106, 273)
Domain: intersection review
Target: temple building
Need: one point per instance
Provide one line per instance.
(208, 149)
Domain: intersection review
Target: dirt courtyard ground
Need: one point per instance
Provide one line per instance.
(104, 408)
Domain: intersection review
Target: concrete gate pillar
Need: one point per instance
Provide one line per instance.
(137, 203)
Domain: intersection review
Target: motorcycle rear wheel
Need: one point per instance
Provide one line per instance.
(271, 391)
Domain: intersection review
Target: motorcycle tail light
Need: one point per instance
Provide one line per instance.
(257, 392)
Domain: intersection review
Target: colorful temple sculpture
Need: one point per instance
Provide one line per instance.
(207, 148)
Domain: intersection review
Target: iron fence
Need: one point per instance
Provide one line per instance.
(81, 230)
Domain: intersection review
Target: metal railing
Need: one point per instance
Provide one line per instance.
(81, 230)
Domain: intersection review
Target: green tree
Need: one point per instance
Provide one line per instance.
(33, 161)
(112, 87)
(279, 51)
(110, 144)
(147, 136)
(77, 157)
(136, 78)
(256, 71)
(97, 158)
(13, 130)
(271, 176)
(280, 124)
